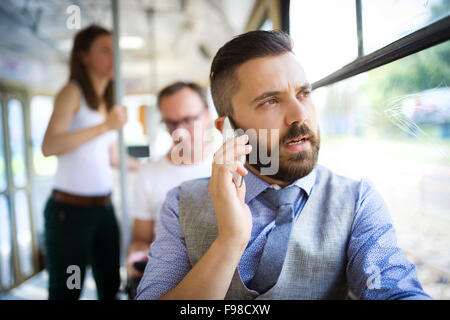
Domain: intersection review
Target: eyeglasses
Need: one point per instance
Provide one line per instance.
(186, 122)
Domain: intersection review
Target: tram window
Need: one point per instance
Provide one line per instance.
(41, 110)
(17, 142)
(5, 244)
(134, 128)
(324, 40)
(161, 140)
(392, 125)
(154, 133)
(267, 25)
(387, 21)
(23, 232)
(2, 156)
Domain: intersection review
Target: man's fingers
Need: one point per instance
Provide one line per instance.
(241, 169)
(224, 173)
(231, 154)
(241, 139)
(232, 149)
(235, 166)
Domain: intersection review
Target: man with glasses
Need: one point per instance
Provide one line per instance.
(185, 113)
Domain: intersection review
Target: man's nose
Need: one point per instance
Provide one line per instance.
(295, 112)
(179, 125)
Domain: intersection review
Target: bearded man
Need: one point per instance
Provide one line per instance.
(297, 232)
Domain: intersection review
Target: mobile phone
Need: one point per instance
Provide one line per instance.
(140, 265)
(229, 131)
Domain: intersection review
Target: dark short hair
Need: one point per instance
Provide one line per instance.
(177, 86)
(253, 44)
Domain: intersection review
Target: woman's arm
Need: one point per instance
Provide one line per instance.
(58, 139)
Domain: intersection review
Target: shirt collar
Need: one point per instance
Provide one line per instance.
(255, 185)
(307, 182)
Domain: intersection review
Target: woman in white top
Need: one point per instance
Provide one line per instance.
(80, 223)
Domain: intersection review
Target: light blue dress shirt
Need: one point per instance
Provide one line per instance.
(376, 268)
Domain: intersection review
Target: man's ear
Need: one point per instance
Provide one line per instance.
(218, 123)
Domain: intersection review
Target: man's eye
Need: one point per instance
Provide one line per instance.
(271, 101)
(304, 94)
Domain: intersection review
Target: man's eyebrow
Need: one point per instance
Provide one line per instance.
(305, 86)
(265, 95)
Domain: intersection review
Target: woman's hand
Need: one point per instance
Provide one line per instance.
(58, 138)
(116, 117)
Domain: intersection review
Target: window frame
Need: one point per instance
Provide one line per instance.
(8, 92)
(433, 34)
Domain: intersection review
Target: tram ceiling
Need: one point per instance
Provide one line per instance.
(176, 37)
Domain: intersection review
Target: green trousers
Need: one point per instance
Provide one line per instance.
(78, 236)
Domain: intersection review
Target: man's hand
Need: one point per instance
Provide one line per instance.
(137, 256)
(211, 276)
(234, 219)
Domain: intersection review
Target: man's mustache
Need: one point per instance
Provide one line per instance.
(301, 130)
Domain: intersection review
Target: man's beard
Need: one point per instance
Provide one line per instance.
(295, 165)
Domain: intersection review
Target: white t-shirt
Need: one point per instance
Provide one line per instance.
(155, 179)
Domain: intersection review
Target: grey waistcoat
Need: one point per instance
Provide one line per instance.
(315, 262)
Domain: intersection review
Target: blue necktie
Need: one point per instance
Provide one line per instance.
(274, 252)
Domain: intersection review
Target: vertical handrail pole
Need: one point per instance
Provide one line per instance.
(359, 28)
(125, 230)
